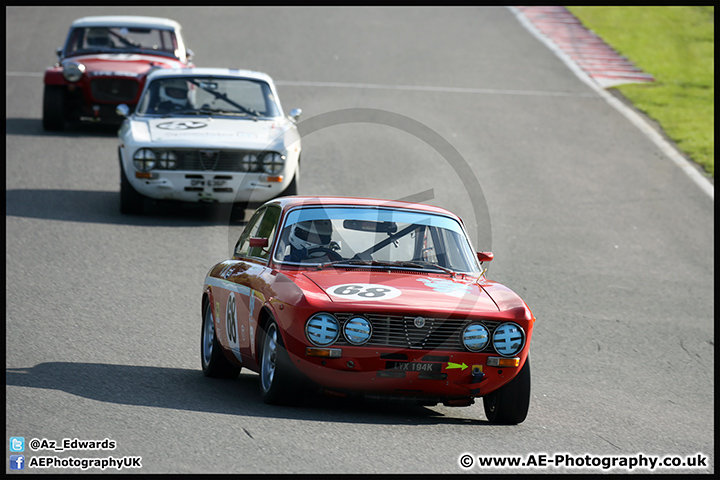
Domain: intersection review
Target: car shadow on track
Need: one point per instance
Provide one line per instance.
(104, 207)
(184, 389)
(33, 127)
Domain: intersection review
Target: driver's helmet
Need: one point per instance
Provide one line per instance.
(98, 37)
(311, 234)
(175, 91)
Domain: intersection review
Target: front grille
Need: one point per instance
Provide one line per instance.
(400, 331)
(114, 89)
(216, 160)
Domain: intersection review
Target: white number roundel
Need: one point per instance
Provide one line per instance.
(364, 291)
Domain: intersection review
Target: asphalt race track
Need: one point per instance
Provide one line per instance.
(605, 238)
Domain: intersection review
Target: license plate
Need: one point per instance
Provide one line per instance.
(209, 183)
(414, 366)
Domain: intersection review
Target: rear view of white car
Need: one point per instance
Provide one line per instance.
(207, 135)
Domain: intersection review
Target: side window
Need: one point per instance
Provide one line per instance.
(266, 229)
(243, 245)
(425, 245)
(263, 224)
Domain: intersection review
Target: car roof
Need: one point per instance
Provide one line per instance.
(312, 201)
(126, 21)
(210, 72)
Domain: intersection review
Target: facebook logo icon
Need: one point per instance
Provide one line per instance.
(17, 462)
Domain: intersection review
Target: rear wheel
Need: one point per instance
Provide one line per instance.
(509, 404)
(214, 363)
(276, 382)
(53, 108)
(131, 202)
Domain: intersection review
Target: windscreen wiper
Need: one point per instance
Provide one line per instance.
(424, 265)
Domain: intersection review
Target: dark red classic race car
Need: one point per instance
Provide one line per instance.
(104, 63)
(377, 298)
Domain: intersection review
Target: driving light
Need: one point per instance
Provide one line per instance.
(475, 337)
(508, 339)
(144, 159)
(322, 329)
(273, 163)
(248, 162)
(73, 71)
(168, 160)
(357, 330)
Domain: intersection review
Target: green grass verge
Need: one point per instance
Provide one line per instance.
(676, 45)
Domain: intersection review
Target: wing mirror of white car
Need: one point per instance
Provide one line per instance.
(189, 54)
(485, 256)
(295, 114)
(122, 110)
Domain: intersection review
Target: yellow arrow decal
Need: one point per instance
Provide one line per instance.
(456, 365)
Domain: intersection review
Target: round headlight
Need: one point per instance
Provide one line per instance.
(508, 339)
(144, 160)
(73, 71)
(248, 162)
(475, 337)
(357, 330)
(322, 329)
(273, 162)
(168, 160)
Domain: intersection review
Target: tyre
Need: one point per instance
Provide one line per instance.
(509, 404)
(276, 370)
(292, 188)
(237, 212)
(131, 202)
(214, 363)
(53, 108)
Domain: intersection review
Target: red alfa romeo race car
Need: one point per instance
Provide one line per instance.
(377, 298)
(104, 63)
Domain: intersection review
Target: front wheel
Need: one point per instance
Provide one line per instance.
(53, 108)
(214, 363)
(275, 368)
(131, 202)
(509, 404)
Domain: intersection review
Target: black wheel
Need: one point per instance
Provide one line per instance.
(237, 212)
(53, 108)
(276, 371)
(214, 363)
(292, 188)
(509, 404)
(131, 202)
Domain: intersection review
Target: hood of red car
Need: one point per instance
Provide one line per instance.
(405, 291)
(119, 64)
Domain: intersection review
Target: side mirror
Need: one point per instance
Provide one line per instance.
(58, 52)
(257, 242)
(485, 256)
(295, 114)
(122, 110)
(189, 54)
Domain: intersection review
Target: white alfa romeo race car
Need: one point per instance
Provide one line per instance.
(207, 135)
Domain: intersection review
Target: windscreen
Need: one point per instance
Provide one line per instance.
(187, 95)
(82, 41)
(376, 236)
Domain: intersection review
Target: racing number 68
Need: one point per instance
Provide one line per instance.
(361, 291)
